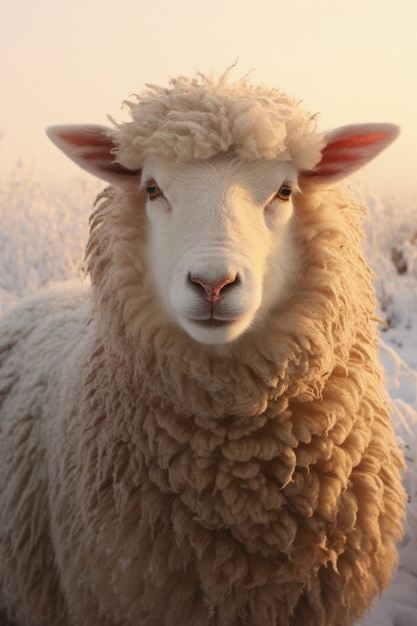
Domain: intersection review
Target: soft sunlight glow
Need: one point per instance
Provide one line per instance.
(76, 61)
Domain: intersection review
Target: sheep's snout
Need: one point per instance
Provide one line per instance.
(216, 299)
(213, 292)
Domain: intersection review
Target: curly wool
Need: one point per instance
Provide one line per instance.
(307, 412)
(203, 117)
(258, 488)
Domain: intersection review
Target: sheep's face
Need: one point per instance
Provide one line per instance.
(220, 242)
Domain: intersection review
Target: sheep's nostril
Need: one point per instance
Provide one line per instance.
(213, 291)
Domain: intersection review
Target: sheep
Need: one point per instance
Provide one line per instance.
(202, 436)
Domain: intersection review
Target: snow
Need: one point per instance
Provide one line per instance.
(392, 252)
(42, 239)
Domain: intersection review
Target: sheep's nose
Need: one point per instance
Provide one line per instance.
(213, 292)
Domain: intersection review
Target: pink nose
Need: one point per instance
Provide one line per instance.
(212, 292)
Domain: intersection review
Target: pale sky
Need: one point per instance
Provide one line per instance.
(64, 61)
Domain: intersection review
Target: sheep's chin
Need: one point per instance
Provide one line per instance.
(215, 332)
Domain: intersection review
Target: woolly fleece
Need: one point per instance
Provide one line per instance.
(202, 117)
(147, 480)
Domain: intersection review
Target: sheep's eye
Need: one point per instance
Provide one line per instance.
(152, 190)
(284, 192)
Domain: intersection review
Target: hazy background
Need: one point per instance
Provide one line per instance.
(67, 61)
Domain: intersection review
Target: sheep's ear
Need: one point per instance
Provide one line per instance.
(346, 150)
(91, 147)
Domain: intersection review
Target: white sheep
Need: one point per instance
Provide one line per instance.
(207, 442)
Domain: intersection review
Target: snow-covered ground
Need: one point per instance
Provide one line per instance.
(42, 238)
(392, 252)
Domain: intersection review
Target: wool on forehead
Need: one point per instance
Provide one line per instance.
(202, 117)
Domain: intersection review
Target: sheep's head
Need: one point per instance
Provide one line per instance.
(220, 245)
(220, 242)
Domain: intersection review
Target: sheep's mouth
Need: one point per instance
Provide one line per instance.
(213, 323)
(215, 330)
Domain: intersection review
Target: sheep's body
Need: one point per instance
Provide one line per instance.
(151, 480)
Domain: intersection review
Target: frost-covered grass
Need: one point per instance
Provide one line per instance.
(42, 233)
(391, 247)
(42, 238)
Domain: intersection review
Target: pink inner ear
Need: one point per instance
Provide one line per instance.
(347, 149)
(86, 138)
(365, 139)
(93, 149)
